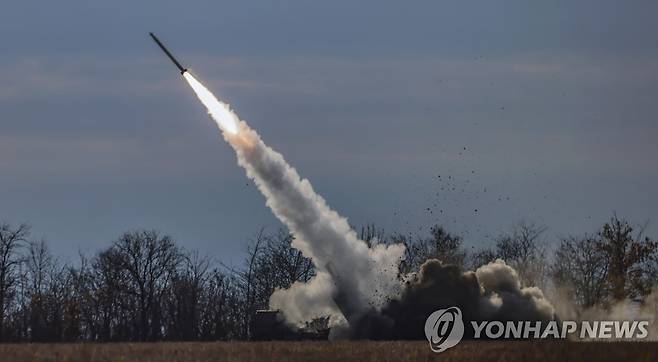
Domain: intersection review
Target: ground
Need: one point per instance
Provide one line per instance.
(332, 351)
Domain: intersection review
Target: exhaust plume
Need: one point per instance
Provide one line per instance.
(351, 277)
(219, 111)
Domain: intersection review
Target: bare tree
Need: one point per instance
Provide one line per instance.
(523, 249)
(40, 269)
(248, 278)
(283, 262)
(441, 245)
(626, 255)
(184, 297)
(148, 260)
(582, 267)
(82, 307)
(222, 309)
(482, 257)
(609, 266)
(10, 240)
(522, 243)
(110, 298)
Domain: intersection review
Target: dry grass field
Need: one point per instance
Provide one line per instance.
(331, 351)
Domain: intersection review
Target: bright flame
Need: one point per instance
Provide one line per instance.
(219, 111)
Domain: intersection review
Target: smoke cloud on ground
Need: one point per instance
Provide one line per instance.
(492, 292)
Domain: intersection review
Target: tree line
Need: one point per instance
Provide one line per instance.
(146, 287)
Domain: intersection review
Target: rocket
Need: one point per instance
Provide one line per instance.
(166, 51)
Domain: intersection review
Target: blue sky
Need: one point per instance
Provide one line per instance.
(544, 112)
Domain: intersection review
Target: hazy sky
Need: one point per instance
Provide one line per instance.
(544, 111)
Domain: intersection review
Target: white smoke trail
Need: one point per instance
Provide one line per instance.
(348, 271)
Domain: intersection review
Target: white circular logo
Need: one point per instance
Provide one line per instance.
(444, 328)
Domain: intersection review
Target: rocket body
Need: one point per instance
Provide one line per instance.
(166, 51)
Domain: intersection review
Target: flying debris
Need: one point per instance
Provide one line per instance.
(164, 49)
